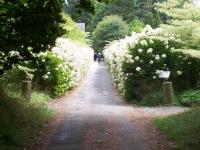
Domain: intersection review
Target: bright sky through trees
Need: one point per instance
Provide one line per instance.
(197, 3)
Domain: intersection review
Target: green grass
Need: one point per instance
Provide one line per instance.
(183, 129)
(152, 99)
(21, 121)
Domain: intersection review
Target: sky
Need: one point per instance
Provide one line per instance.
(197, 3)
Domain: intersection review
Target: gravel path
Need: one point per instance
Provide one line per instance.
(160, 111)
(94, 117)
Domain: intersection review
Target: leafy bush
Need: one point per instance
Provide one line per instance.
(136, 61)
(136, 26)
(53, 74)
(109, 29)
(189, 98)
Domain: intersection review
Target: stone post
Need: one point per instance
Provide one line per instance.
(26, 89)
(168, 93)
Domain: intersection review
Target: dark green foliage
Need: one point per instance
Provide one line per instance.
(189, 98)
(28, 26)
(183, 129)
(125, 8)
(129, 10)
(152, 99)
(190, 68)
(109, 29)
(80, 10)
(99, 14)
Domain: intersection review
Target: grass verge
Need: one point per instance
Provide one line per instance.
(183, 129)
(21, 121)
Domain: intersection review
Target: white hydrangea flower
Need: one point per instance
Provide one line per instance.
(151, 41)
(140, 50)
(150, 50)
(179, 72)
(157, 57)
(143, 42)
(185, 58)
(158, 71)
(154, 77)
(137, 58)
(166, 42)
(172, 48)
(151, 62)
(45, 76)
(172, 38)
(138, 69)
(164, 55)
(180, 56)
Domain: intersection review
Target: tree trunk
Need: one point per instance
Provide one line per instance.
(2, 93)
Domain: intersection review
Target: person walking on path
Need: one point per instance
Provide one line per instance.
(95, 56)
(99, 57)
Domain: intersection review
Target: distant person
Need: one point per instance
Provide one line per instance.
(95, 56)
(99, 57)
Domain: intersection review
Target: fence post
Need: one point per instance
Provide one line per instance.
(168, 93)
(26, 89)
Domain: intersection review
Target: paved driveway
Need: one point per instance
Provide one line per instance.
(97, 119)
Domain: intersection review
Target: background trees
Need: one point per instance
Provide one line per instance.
(184, 21)
(109, 29)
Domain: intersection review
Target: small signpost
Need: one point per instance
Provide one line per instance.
(168, 91)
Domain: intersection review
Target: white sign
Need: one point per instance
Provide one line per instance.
(81, 26)
(164, 74)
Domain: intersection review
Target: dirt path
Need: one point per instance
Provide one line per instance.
(95, 118)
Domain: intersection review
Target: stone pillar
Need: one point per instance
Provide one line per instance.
(168, 93)
(26, 89)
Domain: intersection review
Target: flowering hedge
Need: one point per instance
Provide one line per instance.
(64, 67)
(136, 61)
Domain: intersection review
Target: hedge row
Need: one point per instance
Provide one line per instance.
(63, 67)
(136, 61)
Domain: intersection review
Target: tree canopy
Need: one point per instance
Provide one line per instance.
(28, 26)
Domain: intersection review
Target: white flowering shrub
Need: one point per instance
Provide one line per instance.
(136, 61)
(64, 67)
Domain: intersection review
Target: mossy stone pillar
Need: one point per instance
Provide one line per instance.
(168, 93)
(26, 89)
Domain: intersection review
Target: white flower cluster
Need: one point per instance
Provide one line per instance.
(78, 56)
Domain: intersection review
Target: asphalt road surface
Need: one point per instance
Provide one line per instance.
(97, 118)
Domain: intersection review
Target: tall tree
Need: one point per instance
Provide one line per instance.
(26, 27)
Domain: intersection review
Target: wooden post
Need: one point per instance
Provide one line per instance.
(168, 93)
(26, 89)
